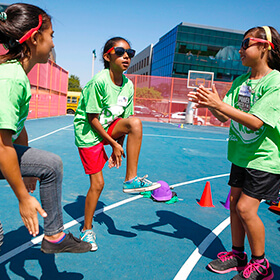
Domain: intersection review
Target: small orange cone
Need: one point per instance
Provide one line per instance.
(206, 198)
(275, 207)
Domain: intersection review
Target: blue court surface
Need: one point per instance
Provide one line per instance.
(137, 237)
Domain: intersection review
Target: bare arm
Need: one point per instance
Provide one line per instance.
(223, 111)
(9, 166)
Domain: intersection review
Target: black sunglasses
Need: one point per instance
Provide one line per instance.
(245, 43)
(119, 51)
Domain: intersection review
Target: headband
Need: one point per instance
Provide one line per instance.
(3, 16)
(268, 35)
(31, 31)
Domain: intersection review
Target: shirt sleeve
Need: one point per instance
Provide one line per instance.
(10, 104)
(267, 108)
(93, 97)
(129, 108)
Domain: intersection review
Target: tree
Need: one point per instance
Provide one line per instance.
(74, 83)
(147, 96)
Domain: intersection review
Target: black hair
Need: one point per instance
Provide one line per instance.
(273, 58)
(108, 45)
(20, 19)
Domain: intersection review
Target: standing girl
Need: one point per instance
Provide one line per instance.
(253, 105)
(26, 32)
(102, 117)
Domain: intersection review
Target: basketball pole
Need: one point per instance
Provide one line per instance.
(93, 59)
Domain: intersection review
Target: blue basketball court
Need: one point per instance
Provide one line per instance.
(138, 238)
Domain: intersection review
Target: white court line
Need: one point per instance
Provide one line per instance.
(188, 266)
(43, 136)
(38, 239)
(182, 137)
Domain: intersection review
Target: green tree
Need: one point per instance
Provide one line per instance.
(74, 83)
(147, 96)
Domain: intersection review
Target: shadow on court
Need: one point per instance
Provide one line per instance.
(16, 264)
(184, 228)
(76, 210)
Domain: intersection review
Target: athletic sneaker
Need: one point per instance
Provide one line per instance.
(255, 271)
(139, 185)
(70, 244)
(90, 237)
(228, 261)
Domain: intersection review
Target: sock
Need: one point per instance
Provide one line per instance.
(258, 259)
(238, 250)
(129, 181)
(58, 240)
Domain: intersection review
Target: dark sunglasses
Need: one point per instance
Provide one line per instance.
(119, 51)
(245, 43)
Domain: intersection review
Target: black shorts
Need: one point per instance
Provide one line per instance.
(255, 183)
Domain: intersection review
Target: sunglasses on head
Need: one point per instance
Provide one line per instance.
(119, 51)
(245, 43)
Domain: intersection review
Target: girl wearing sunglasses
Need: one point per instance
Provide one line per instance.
(103, 117)
(26, 32)
(253, 105)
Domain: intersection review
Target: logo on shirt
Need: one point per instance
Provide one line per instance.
(247, 135)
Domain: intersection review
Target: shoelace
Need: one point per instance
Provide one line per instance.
(224, 256)
(90, 235)
(251, 267)
(143, 180)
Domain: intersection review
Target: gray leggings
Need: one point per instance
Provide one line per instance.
(48, 168)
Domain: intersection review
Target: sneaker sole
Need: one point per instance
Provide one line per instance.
(94, 247)
(63, 251)
(144, 189)
(227, 270)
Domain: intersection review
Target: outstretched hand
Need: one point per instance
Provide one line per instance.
(28, 209)
(205, 98)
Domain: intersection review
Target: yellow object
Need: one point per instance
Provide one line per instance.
(268, 35)
(72, 101)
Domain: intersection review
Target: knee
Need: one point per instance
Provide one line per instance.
(135, 124)
(242, 210)
(97, 186)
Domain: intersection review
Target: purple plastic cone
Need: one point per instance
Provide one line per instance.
(227, 203)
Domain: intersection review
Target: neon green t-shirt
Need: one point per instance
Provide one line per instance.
(256, 149)
(15, 95)
(101, 96)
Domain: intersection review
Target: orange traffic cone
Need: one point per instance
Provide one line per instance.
(275, 207)
(206, 198)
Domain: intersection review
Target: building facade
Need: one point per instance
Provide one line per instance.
(141, 63)
(201, 48)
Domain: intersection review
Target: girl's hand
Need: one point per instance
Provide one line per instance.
(30, 183)
(28, 209)
(207, 98)
(116, 158)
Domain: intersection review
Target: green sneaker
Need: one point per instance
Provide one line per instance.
(90, 237)
(139, 185)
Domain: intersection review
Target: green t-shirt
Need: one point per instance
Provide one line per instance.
(15, 95)
(256, 149)
(101, 96)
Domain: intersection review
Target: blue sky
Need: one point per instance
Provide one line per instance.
(83, 25)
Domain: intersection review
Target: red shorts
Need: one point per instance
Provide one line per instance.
(94, 158)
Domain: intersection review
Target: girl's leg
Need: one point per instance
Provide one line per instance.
(96, 187)
(247, 208)
(133, 128)
(49, 169)
(237, 228)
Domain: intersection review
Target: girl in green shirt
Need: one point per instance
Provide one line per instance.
(253, 105)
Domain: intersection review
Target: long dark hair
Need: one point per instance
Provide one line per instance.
(273, 58)
(20, 19)
(108, 45)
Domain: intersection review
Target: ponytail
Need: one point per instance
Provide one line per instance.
(15, 22)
